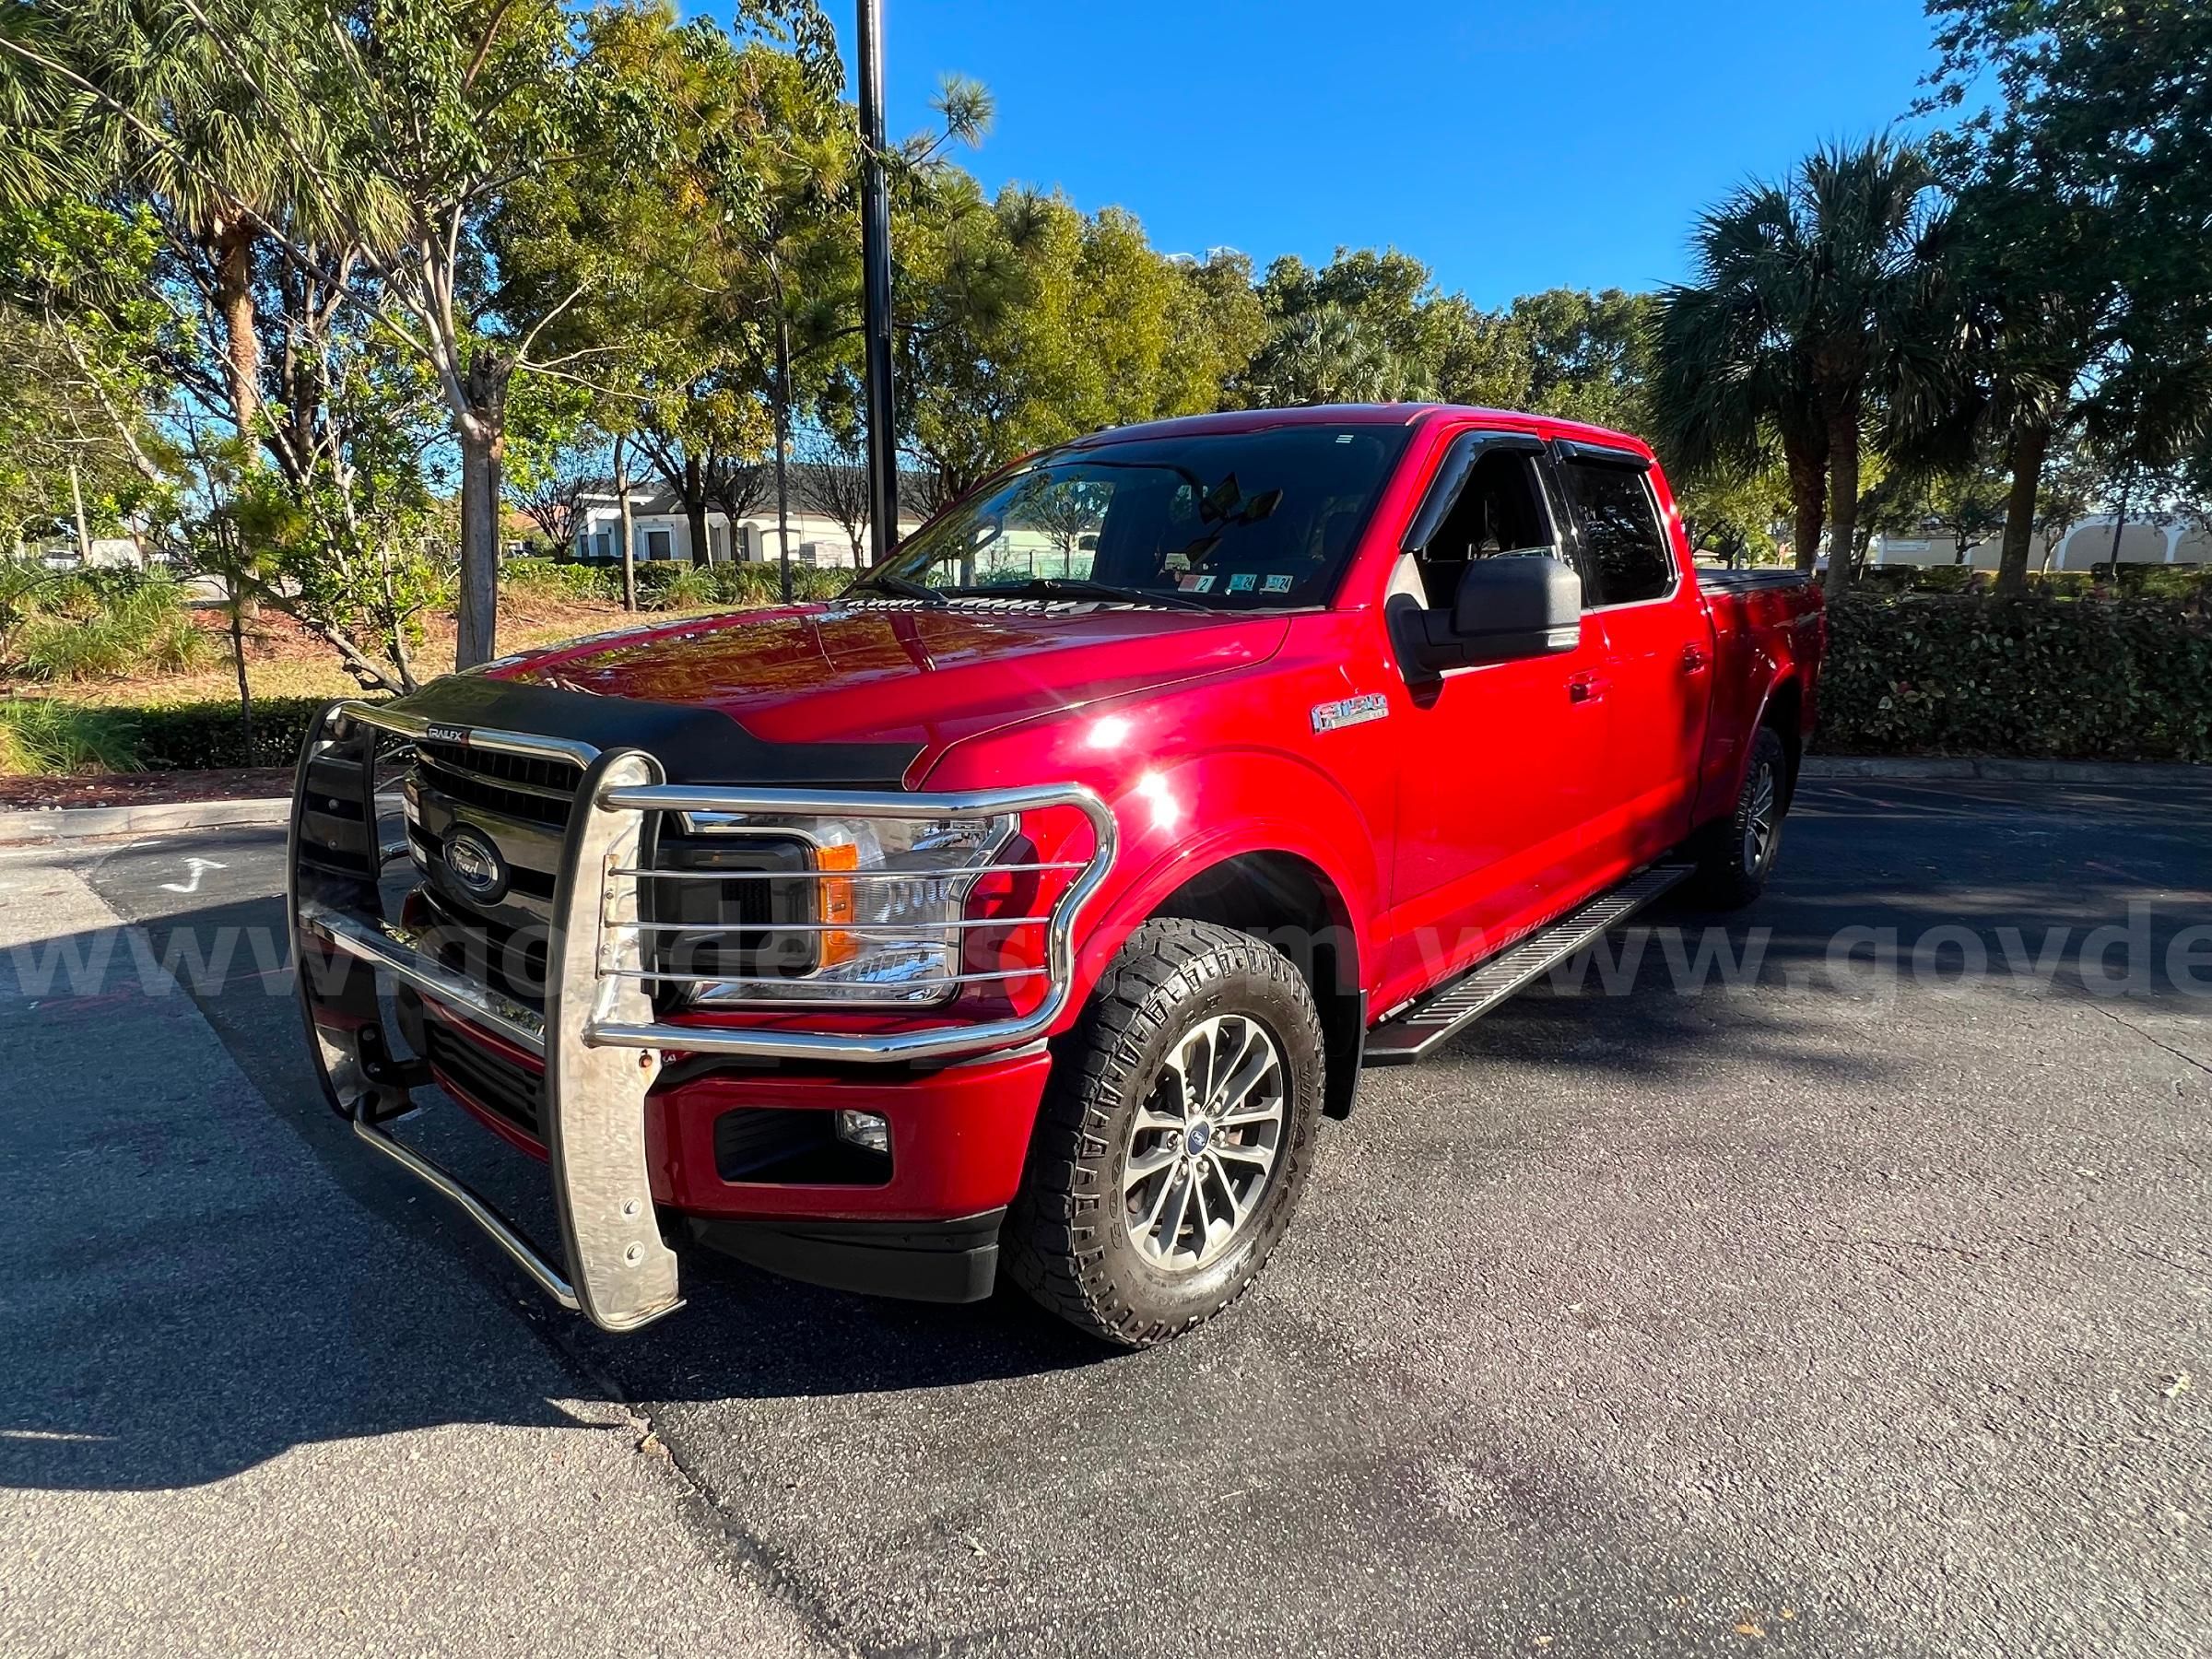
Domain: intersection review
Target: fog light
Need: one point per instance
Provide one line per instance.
(866, 1130)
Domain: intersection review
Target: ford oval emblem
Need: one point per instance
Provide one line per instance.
(475, 863)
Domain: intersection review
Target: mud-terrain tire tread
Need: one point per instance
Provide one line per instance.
(1163, 973)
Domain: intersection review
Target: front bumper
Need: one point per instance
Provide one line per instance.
(598, 1039)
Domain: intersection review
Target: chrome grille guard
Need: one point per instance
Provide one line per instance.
(598, 1009)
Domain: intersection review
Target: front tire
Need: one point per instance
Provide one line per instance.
(1174, 1138)
(1736, 854)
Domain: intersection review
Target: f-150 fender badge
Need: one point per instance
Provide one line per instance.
(445, 734)
(1350, 710)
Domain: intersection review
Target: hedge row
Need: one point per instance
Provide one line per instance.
(1975, 674)
(2191, 585)
(196, 736)
(671, 585)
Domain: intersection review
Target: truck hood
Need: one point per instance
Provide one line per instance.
(884, 673)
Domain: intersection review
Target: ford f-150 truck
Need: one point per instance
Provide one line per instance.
(1035, 901)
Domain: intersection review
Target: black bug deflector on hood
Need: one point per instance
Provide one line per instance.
(693, 745)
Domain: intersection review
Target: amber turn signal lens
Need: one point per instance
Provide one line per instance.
(834, 901)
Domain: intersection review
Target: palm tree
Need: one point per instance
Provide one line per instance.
(1819, 308)
(1733, 385)
(1326, 356)
(146, 97)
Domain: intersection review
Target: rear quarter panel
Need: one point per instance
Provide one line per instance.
(1767, 643)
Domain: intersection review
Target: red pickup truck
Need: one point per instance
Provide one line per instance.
(1036, 899)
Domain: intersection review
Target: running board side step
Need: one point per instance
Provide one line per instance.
(1437, 1015)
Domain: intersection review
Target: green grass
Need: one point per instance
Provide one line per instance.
(96, 625)
(48, 736)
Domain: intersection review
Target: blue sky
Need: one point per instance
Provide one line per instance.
(1512, 146)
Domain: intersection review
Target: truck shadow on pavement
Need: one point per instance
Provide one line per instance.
(187, 1294)
(204, 1268)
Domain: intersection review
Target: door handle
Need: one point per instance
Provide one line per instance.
(1587, 688)
(1696, 659)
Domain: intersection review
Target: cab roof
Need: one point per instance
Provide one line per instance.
(1402, 414)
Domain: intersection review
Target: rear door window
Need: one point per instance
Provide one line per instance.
(1627, 548)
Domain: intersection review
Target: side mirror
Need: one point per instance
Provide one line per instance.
(1509, 608)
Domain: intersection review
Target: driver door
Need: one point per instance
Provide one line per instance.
(1501, 781)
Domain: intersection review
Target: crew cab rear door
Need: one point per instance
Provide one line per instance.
(1501, 760)
(1658, 646)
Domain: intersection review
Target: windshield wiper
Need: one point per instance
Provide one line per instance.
(883, 581)
(1061, 587)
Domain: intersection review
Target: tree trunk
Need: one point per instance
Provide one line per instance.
(627, 524)
(84, 531)
(782, 447)
(695, 512)
(1843, 492)
(238, 656)
(2127, 483)
(1808, 502)
(234, 302)
(476, 639)
(2029, 445)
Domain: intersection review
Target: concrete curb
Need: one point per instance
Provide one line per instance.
(102, 823)
(1904, 769)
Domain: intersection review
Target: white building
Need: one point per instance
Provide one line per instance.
(663, 532)
(2142, 541)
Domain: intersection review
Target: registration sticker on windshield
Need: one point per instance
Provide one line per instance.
(1196, 585)
(1277, 584)
(1242, 583)
(1350, 710)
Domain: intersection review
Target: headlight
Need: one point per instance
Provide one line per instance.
(869, 914)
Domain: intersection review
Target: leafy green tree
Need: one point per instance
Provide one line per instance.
(1968, 504)
(1216, 324)
(2036, 278)
(1484, 358)
(1731, 516)
(1328, 354)
(151, 102)
(1361, 329)
(1590, 355)
(446, 120)
(1024, 323)
(2087, 185)
(2071, 489)
(81, 387)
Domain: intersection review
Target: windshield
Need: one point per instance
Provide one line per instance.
(1231, 521)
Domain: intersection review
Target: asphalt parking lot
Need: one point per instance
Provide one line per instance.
(1804, 1304)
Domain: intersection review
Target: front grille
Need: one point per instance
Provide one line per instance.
(505, 1087)
(746, 927)
(512, 961)
(518, 786)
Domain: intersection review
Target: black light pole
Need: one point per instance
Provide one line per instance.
(875, 269)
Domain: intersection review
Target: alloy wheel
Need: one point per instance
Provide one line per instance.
(1759, 823)
(1202, 1147)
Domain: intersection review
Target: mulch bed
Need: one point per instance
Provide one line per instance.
(144, 789)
